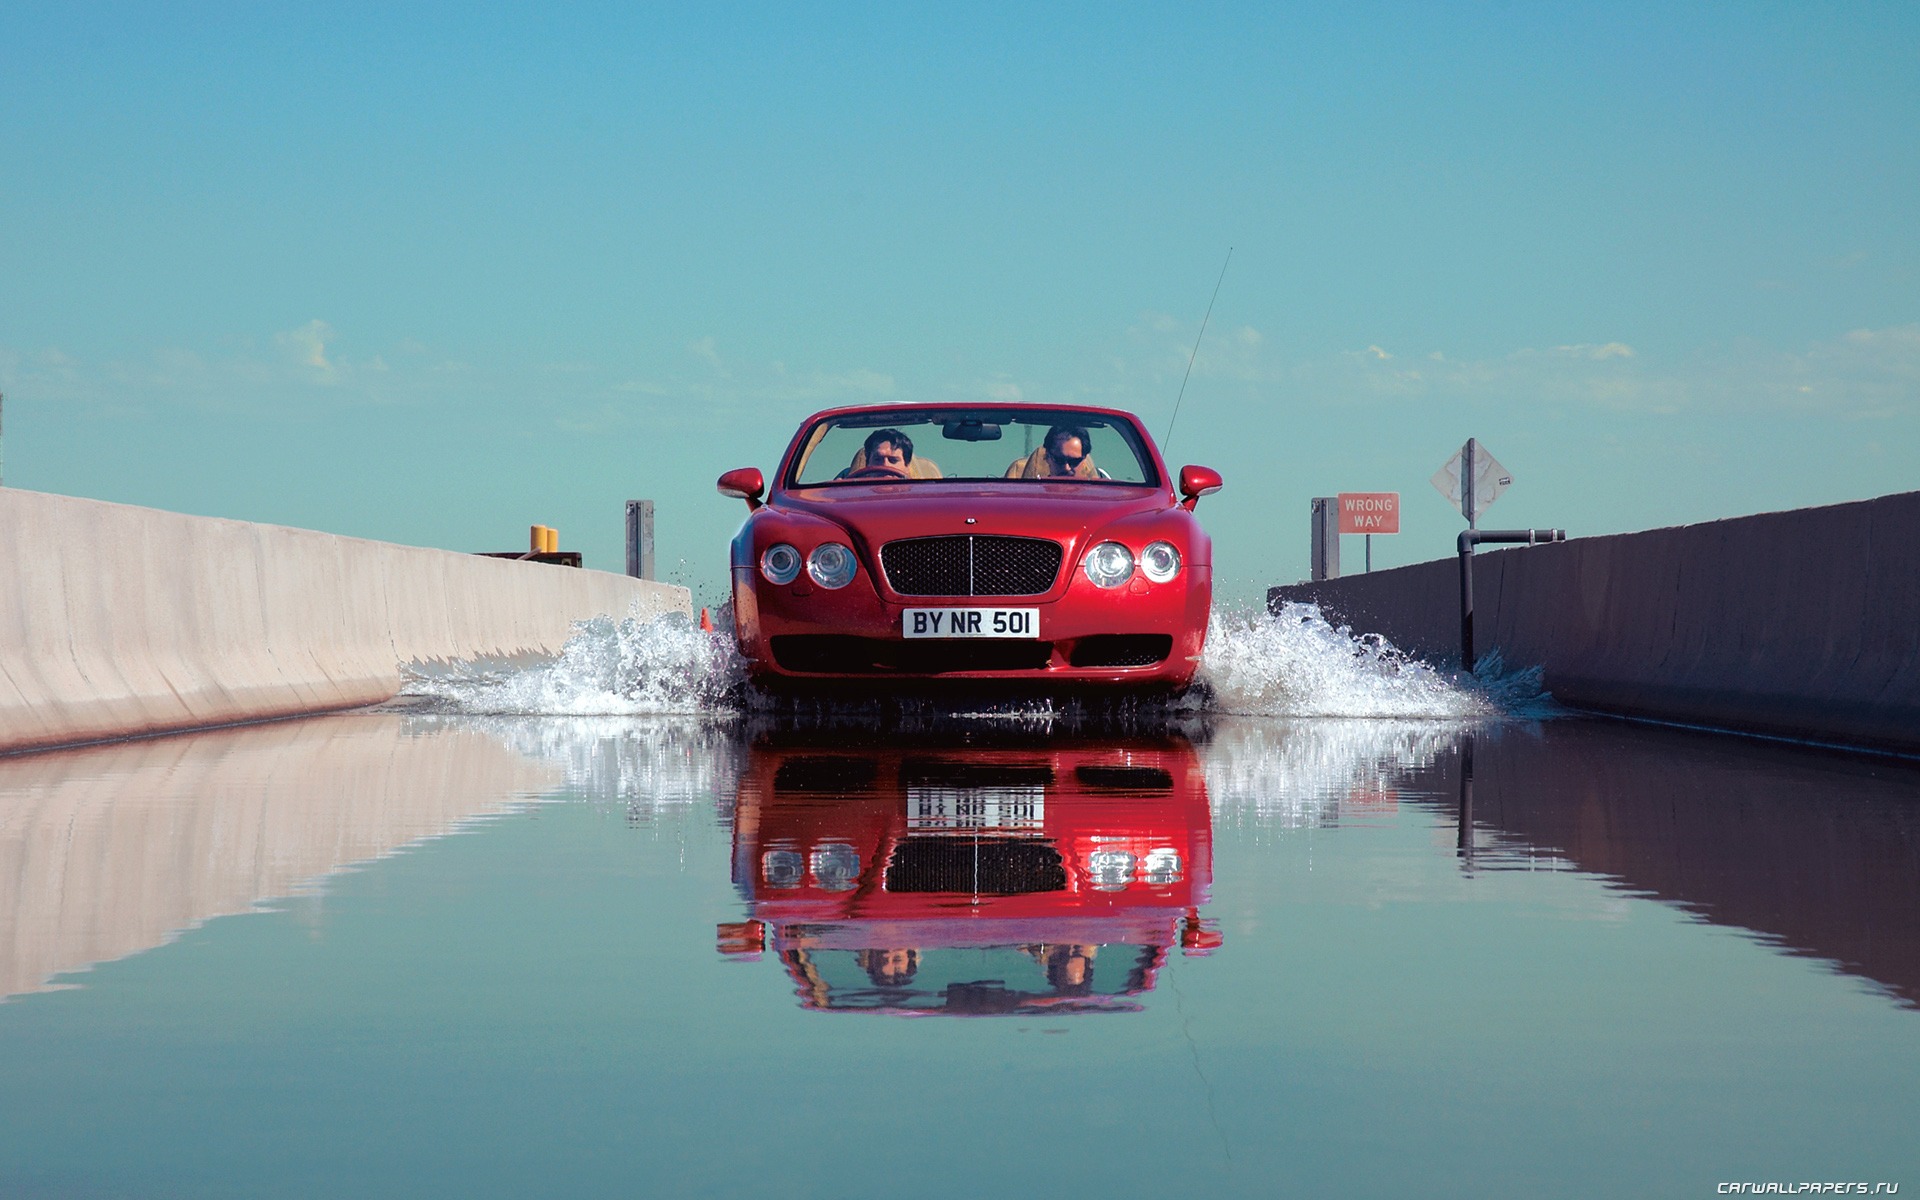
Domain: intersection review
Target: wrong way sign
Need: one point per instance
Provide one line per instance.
(1369, 512)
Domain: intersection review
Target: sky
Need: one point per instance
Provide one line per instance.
(431, 274)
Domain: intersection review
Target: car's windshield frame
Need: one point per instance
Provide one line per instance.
(806, 442)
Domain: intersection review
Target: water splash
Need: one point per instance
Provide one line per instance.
(1287, 664)
(656, 768)
(1308, 773)
(667, 666)
(1295, 664)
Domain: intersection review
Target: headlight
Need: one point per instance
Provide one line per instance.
(781, 868)
(1109, 564)
(1110, 870)
(1160, 562)
(831, 565)
(836, 867)
(1162, 865)
(780, 564)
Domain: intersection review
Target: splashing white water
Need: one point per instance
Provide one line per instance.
(1290, 664)
(654, 767)
(1294, 664)
(666, 666)
(1300, 774)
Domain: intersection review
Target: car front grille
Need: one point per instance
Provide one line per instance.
(971, 565)
(983, 866)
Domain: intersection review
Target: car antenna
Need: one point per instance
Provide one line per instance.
(1168, 440)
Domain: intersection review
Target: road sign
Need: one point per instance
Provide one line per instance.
(1369, 512)
(1484, 483)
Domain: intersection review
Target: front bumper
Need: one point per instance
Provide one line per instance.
(1139, 635)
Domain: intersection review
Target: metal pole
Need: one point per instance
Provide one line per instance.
(1467, 455)
(640, 563)
(1464, 840)
(1326, 539)
(1466, 600)
(1469, 538)
(1369, 554)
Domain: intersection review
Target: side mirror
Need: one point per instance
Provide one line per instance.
(1196, 482)
(746, 483)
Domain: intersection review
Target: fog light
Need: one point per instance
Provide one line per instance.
(1160, 562)
(780, 564)
(1109, 564)
(831, 565)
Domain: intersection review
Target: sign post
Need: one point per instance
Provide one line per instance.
(1326, 539)
(640, 539)
(1471, 481)
(1368, 513)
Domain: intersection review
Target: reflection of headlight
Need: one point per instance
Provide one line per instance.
(1160, 562)
(780, 564)
(831, 565)
(1111, 870)
(1161, 866)
(836, 867)
(1109, 564)
(782, 868)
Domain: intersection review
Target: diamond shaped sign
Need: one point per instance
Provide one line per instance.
(1489, 479)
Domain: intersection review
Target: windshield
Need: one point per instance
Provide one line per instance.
(934, 445)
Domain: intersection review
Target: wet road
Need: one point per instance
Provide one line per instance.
(395, 954)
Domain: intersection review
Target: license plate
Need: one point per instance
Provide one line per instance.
(970, 623)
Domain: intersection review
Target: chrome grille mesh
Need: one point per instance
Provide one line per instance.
(971, 565)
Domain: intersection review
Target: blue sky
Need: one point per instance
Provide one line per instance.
(431, 275)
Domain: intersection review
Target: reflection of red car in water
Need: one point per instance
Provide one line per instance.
(1012, 544)
(969, 880)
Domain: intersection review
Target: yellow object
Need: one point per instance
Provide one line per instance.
(536, 539)
(553, 541)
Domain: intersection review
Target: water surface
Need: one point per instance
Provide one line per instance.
(394, 954)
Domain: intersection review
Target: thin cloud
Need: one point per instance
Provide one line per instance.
(308, 346)
(707, 350)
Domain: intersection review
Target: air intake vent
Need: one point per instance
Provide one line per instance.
(971, 566)
(1121, 650)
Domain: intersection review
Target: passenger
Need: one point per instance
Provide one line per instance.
(1070, 969)
(1067, 453)
(889, 968)
(890, 448)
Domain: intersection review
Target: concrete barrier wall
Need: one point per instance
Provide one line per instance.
(117, 620)
(1798, 624)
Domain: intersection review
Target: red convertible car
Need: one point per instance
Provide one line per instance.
(1000, 544)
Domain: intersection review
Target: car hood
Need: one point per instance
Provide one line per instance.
(884, 511)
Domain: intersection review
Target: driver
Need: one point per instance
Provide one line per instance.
(1066, 454)
(891, 449)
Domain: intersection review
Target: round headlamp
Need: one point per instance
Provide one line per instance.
(782, 868)
(1160, 562)
(1110, 870)
(831, 565)
(780, 563)
(1109, 564)
(836, 867)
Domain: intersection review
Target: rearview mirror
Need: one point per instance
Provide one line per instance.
(1196, 482)
(970, 431)
(745, 483)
